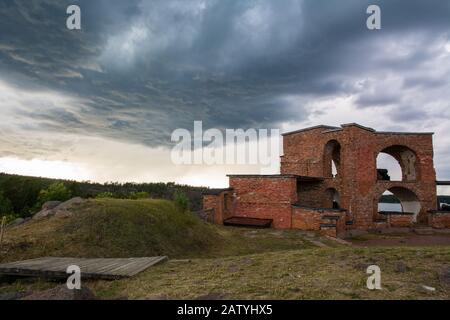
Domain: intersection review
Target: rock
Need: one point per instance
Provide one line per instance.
(62, 293)
(49, 205)
(61, 210)
(16, 223)
(42, 214)
(70, 203)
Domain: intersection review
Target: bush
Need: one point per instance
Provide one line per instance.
(5, 206)
(181, 200)
(104, 195)
(139, 195)
(55, 192)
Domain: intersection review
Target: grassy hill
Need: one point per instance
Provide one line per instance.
(114, 228)
(133, 228)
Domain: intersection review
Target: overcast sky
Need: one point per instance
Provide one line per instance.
(101, 103)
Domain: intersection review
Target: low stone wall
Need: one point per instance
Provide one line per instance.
(401, 220)
(439, 219)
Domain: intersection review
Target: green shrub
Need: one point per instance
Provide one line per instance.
(139, 195)
(105, 195)
(55, 192)
(181, 200)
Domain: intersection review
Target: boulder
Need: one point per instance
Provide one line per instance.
(61, 210)
(42, 214)
(49, 205)
(70, 203)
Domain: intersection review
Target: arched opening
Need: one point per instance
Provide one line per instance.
(388, 202)
(397, 163)
(388, 168)
(399, 200)
(333, 199)
(332, 159)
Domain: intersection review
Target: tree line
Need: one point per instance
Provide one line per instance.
(22, 196)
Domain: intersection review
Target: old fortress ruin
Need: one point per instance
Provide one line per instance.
(329, 182)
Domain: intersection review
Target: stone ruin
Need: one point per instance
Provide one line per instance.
(329, 182)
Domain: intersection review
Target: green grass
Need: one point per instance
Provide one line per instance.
(218, 262)
(333, 273)
(112, 228)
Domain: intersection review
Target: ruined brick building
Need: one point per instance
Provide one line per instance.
(329, 182)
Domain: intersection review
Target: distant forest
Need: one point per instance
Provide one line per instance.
(22, 192)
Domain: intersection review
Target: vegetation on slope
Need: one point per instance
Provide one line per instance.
(135, 228)
(22, 192)
(113, 228)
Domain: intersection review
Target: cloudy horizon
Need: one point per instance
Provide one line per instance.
(101, 104)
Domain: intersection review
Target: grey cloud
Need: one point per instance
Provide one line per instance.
(145, 68)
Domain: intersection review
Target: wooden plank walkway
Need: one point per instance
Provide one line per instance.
(108, 269)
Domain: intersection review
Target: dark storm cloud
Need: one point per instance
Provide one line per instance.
(144, 68)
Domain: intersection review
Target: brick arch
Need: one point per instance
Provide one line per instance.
(332, 153)
(408, 198)
(407, 159)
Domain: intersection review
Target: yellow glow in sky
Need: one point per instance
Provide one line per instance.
(44, 168)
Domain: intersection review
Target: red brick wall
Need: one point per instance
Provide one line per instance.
(222, 205)
(306, 219)
(439, 220)
(311, 194)
(267, 197)
(210, 202)
(329, 231)
(400, 220)
(357, 185)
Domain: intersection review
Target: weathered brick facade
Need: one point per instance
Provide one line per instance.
(306, 195)
(265, 196)
(439, 220)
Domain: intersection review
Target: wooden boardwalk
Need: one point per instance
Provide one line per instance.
(108, 269)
